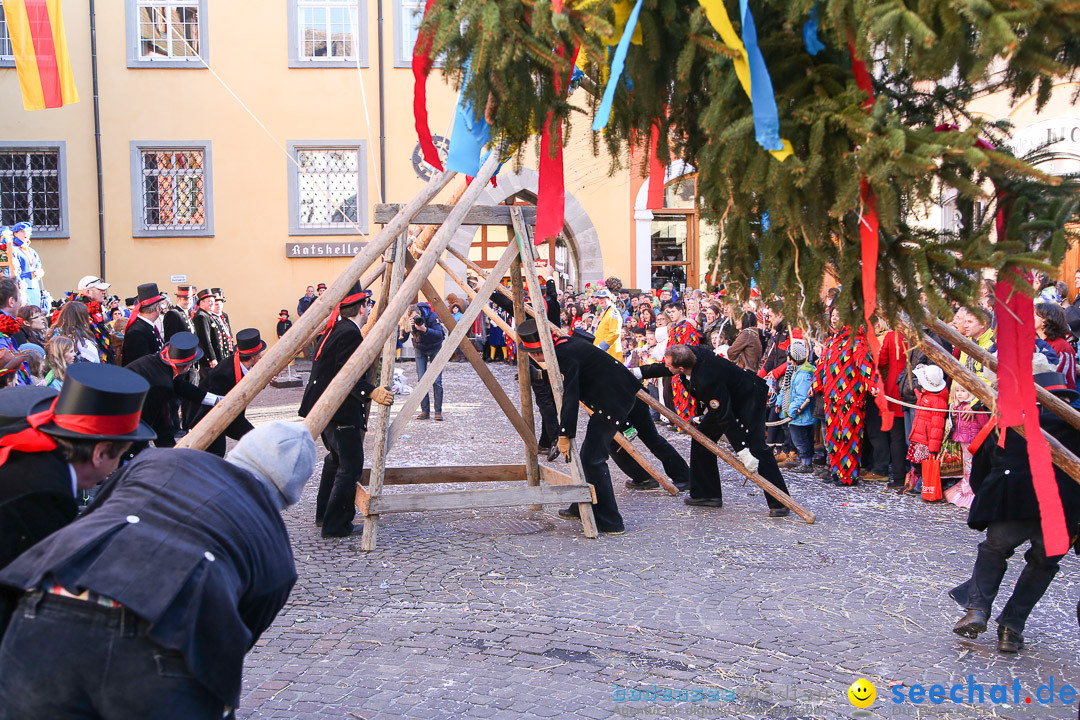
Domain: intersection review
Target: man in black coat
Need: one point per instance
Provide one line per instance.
(146, 605)
(344, 436)
(167, 374)
(592, 377)
(735, 404)
(143, 336)
(207, 330)
(1005, 506)
(249, 350)
(178, 317)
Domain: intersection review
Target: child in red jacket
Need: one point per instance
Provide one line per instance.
(928, 427)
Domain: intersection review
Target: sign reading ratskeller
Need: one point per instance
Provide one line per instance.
(341, 248)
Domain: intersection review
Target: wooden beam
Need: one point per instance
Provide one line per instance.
(492, 315)
(1061, 455)
(727, 457)
(551, 476)
(369, 349)
(292, 343)
(588, 520)
(437, 214)
(445, 353)
(1047, 399)
(525, 395)
(381, 416)
(639, 458)
(362, 498)
(469, 499)
(425, 475)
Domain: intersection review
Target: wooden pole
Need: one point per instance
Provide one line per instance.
(532, 462)
(588, 520)
(1061, 455)
(727, 457)
(628, 446)
(382, 412)
(491, 314)
(1048, 399)
(446, 351)
(292, 342)
(367, 351)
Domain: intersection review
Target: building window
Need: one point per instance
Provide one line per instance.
(677, 234)
(407, 17)
(327, 188)
(33, 187)
(172, 192)
(167, 33)
(7, 55)
(321, 33)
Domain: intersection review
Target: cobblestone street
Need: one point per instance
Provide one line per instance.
(514, 613)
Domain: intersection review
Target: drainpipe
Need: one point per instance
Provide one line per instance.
(382, 113)
(97, 143)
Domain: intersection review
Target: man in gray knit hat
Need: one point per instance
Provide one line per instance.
(146, 605)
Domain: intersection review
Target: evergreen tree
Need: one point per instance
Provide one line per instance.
(916, 145)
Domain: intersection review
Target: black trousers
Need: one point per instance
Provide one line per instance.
(1002, 540)
(747, 431)
(342, 468)
(549, 416)
(879, 455)
(674, 465)
(898, 447)
(599, 434)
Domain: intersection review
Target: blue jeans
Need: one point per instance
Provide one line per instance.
(803, 437)
(67, 659)
(423, 359)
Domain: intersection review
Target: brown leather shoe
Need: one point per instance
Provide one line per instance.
(438, 416)
(423, 416)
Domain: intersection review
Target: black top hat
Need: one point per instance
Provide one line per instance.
(249, 343)
(355, 295)
(182, 349)
(98, 402)
(320, 286)
(148, 294)
(218, 294)
(529, 335)
(284, 312)
(1055, 383)
(17, 402)
(184, 290)
(203, 294)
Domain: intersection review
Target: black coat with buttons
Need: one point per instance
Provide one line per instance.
(36, 499)
(1001, 477)
(593, 377)
(343, 339)
(726, 391)
(189, 543)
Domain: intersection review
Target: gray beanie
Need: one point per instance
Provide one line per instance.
(281, 454)
(798, 350)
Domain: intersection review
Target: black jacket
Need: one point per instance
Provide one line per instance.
(343, 339)
(209, 334)
(1001, 477)
(220, 381)
(305, 303)
(140, 340)
(36, 499)
(164, 389)
(283, 327)
(725, 390)
(593, 377)
(189, 543)
(177, 320)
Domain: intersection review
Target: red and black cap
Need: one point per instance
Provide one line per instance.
(19, 401)
(283, 313)
(184, 290)
(320, 286)
(203, 294)
(355, 295)
(97, 402)
(248, 342)
(182, 349)
(529, 334)
(148, 295)
(1055, 383)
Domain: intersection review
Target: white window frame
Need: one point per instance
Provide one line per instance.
(360, 42)
(60, 148)
(403, 51)
(6, 60)
(139, 227)
(135, 58)
(362, 210)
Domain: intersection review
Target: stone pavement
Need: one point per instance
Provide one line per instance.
(510, 613)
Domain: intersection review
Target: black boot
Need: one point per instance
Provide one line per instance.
(972, 624)
(1009, 641)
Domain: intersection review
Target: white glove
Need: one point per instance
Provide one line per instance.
(748, 460)
(211, 399)
(636, 372)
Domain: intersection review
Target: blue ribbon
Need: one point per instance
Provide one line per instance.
(766, 116)
(810, 33)
(603, 114)
(469, 137)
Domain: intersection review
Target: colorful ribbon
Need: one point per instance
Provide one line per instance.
(421, 67)
(603, 113)
(762, 97)
(655, 199)
(718, 18)
(810, 33)
(551, 189)
(471, 134)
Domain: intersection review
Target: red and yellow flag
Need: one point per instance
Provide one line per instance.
(36, 28)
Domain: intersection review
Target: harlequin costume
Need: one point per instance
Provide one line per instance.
(684, 333)
(845, 375)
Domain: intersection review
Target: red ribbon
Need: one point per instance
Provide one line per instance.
(32, 440)
(655, 199)
(239, 373)
(421, 67)
(175, 363)
(551, 190)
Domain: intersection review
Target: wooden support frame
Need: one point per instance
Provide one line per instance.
(532, 460)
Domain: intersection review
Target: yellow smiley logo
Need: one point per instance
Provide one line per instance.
(862, 693)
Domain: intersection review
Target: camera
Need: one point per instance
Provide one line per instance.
(417, 321)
